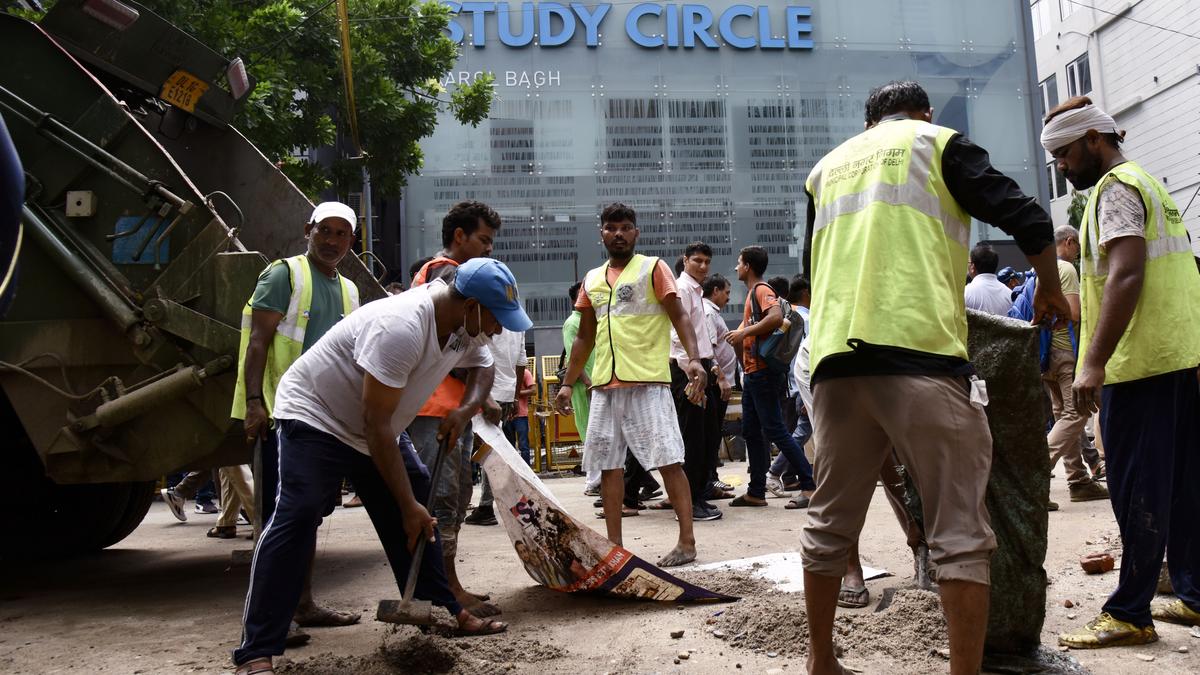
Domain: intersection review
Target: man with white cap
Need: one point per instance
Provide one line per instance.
(296, 301)
(339, 410)
(1139, 346)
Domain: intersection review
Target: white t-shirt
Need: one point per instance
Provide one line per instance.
(508, 352)
(394, 339)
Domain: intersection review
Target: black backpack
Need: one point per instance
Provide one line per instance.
(779, 348)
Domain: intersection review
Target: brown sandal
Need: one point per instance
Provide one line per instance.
(256, 667)
(223, 532)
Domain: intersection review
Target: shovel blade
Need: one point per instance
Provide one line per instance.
(412, 612)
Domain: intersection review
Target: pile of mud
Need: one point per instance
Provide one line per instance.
(433, 654)
(910, 630)
(729, 583)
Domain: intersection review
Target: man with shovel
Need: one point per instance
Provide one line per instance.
(339, 410)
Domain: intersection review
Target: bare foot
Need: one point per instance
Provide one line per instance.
(679, 555)
(832, 667)
(475, 606)
(315, 615)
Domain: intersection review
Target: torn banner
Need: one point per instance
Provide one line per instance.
(557, 550)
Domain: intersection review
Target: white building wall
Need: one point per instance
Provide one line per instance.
(1148, 78)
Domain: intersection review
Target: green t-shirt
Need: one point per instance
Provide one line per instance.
(274, 292)
(1068, 278)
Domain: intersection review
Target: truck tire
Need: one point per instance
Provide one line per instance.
(43, 519)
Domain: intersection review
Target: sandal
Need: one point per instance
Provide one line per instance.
(853, 598)
(488, 627)
(256, 667)
(223, 532)
(664, 505)
(720, 494)
(743, 501)
(800, 502)
(626, 512)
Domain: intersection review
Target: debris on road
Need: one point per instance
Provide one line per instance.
(1097, 563)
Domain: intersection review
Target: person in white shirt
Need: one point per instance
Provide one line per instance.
(508, 352)
(339, 410)
(985, 292)
(716, 296)
(697, 423)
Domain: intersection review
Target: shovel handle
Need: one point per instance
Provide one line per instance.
(414, 566)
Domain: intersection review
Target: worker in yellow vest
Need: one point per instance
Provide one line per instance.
(889, 228)
(1138, 351)
(296, 301)
(627, 309)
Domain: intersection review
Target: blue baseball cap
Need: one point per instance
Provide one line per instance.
(1008, 273)
(491, 283)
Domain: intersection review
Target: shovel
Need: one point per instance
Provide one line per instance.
(407, 610)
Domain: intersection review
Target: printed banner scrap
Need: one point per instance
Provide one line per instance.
(560, 552)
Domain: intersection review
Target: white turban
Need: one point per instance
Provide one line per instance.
(1073, 124)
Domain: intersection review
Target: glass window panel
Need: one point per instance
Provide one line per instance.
(710, 144)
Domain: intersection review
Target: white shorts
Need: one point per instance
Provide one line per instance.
(641, 418)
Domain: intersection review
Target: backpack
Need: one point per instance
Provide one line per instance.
(778, 349)
(1022, 308)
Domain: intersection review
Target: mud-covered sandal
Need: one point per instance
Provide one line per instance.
(486, 627)
(256, 667)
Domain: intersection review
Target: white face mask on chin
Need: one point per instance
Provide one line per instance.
(480, 339)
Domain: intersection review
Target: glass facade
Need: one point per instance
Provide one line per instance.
(711, 139)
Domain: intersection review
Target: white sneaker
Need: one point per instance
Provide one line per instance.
(175, 503)
(775, 486)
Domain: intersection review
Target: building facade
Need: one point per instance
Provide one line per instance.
(1139, 61)
(704, 117)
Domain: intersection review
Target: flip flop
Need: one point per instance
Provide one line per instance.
(720, 494)
(853, 598)
(626, 512)
(797, 503)
(489, 627)
(664, 505)
(223, 532)
(742, 501)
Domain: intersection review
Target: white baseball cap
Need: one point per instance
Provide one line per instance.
(334, 210)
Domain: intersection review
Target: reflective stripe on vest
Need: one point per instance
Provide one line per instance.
(1163, 334)
(911, 193)
(288, 342)
(633, 332)
(880, 201)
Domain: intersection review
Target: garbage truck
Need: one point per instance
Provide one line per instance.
(146, 221)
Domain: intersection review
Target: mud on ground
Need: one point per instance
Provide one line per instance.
(404, 652)
(910, 631)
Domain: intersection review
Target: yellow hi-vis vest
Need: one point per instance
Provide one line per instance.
(889, 249)
(288, 342)
(633, 331)
(1163, 335)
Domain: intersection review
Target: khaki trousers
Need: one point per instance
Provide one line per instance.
(940, 437)
(1068, 422)
(237, 494)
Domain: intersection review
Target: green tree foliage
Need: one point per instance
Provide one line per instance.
(1075, 210)
(399, 53)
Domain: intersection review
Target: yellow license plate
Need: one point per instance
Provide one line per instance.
(183, 90)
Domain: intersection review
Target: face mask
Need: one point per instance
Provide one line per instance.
(479, 339)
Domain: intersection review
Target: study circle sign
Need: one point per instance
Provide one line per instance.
(650, 25)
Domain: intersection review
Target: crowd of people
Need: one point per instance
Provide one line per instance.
(862, 359)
